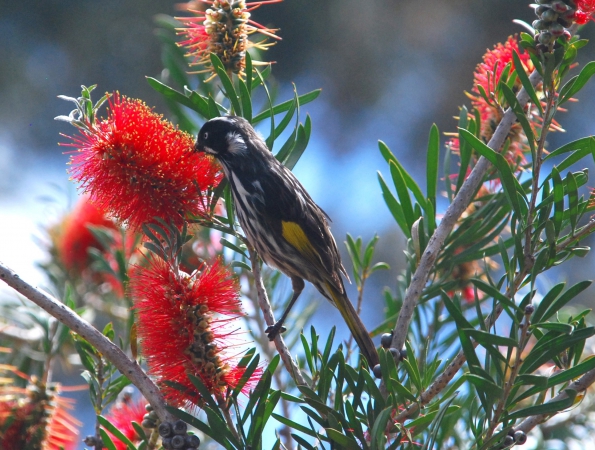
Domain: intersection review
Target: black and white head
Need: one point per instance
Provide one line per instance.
(230, 139)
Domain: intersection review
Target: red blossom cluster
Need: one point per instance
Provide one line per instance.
(35, 417)
(584, 11)
(138, 166)
(183, 326)
(487, 75)
(121, 415)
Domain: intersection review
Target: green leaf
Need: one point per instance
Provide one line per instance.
(432, 163)
(520, 70)
(547, 408)
(509, 182)
(543, 352)
(403, 194)
(228, 88)
(107, 440)
(520, 115)
(344, 441)
(378, 438)
(301, 142)
(563, 328)
(117, 433)
(233, 247)
(408, 179)
(586, 143)
(579, 82)
(486, 339)
(296, 426)
(558, 200)
(572, 192)
(393, 206)
(246, 101)
(190, 420)
(282, 107)
(565, 298)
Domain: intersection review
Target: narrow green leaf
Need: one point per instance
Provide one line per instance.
(432, 161)
(228, 88)
(282, 107)
(546, 301)
(547, 408)
(378, 437)
(520, 70)
(393, 206)
(107, 440)
(558, 200)
(572, 192)
(403, 194)
(343, 441)
(301, 142)
(586, 143)
(246, 101)
(105, 423)
(571, 293)
(486, 339)
(520, 115)
(509, 182)
(233, 247)
(583, 77)
(409, 181)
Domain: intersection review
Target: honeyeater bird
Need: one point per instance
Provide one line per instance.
(280, 220)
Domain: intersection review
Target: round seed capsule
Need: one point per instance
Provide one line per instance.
(377, 371)
(546, 38)
(165, 429)
(520, 437)
(386, 340)
(539, 25)
(508, 441)
(177, 442)
(549, 15)
(192, 440)
(180, 427)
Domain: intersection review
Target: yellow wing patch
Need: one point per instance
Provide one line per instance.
(294, 234)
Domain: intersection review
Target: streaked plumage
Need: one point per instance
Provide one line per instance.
(280, 219)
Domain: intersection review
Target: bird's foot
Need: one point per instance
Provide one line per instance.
(274, 330)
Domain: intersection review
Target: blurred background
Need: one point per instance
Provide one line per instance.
(388, 69)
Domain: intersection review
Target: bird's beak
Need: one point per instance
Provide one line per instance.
(198, 147)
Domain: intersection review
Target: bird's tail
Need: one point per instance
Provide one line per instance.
(356, 326)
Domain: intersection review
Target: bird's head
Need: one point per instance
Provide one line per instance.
(226, 138)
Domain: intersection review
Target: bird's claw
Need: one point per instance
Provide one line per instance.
(274, 330)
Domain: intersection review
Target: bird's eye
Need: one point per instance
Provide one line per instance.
(205, 135)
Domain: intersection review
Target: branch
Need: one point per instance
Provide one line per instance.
(112, 352)
(451, 216)
(265, 306)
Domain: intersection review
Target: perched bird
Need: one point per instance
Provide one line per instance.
(281, 221)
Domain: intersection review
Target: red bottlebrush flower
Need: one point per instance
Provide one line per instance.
(36, 417)
(584, 11)
(121, 415)
(487, 75)
(222, 27)
(182, 325)
(75, 239)
(138, 166)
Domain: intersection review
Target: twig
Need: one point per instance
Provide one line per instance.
(108, 349)
(451, 216)
(265, 306)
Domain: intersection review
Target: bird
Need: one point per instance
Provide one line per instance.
(280, 220)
